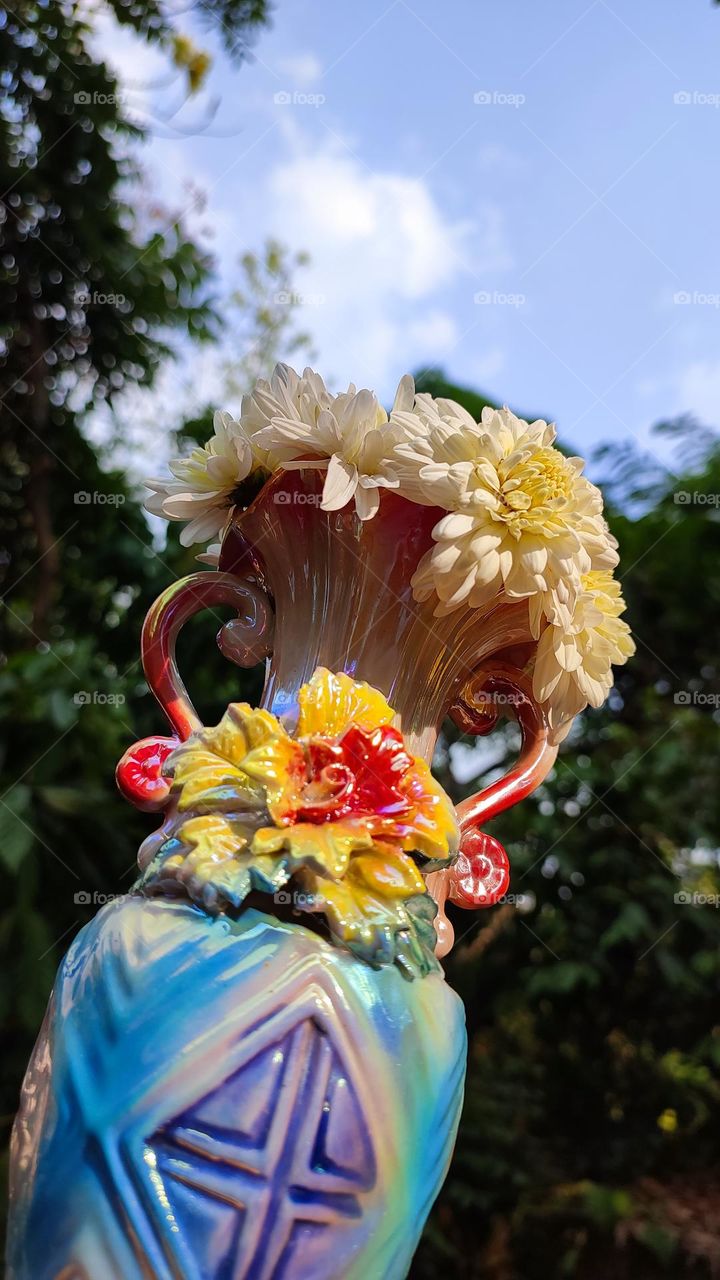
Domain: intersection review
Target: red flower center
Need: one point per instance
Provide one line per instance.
(358, 775)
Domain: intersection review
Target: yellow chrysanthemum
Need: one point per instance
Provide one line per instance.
(523, 520)
(574, 660)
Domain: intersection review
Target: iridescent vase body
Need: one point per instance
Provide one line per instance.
(235, 1097)
(231, 1099)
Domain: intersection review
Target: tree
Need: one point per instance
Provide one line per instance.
(262, 315)
(92, 288)
(85, 301)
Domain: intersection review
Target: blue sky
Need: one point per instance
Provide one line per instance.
(524, 194)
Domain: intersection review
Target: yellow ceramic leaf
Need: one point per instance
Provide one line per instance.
(363, 921)
(324, 847)
(211, 769)
(205, 779)
(344, 907)
(388, 873)
(278, 765)
(213, 837)
(329, 703)
(435, 830)
(240, 731)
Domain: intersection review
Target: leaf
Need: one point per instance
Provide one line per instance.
(330, 703)
(16, 835)
(561, 978)
(63, 711)
(70, 801)
(660, 1241)
(633, 922)
(244, 762)
(324, 848)
(387, 873)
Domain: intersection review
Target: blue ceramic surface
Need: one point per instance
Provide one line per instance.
(231, 1100)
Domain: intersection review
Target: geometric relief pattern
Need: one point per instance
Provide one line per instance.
(258, 1172)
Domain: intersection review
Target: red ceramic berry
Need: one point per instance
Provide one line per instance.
(139, 773)
(481, 875)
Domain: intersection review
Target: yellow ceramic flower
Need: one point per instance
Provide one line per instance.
(339, 808)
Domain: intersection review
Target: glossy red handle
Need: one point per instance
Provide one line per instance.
(172, 610)
(510, 688)
(480, 874)
(246, 639)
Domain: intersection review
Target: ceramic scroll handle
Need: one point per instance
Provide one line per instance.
(247, 639)
(481, 873)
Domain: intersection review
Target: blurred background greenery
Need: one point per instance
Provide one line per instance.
(588, 1144)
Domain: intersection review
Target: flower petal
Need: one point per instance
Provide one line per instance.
(329, 703)
(340, 483)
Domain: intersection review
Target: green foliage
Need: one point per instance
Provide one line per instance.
(261, 317)
(93, 285)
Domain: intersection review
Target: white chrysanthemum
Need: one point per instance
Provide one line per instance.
(350, 437)
(203, 484)
(286, 395)
(424, 423)
(574, 661)
(522, 517)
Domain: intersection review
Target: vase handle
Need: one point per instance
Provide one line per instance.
(247, 639)
(480, 874)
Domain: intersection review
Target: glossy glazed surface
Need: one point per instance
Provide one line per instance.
(230, 1097)
(212, 1100)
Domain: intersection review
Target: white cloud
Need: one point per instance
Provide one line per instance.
(391, 222)
(395, 270)
(384, 256)
(302, 68)
(434, 334)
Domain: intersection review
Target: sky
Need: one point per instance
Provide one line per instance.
(526, 195)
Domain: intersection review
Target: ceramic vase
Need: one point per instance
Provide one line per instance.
(220, 1089)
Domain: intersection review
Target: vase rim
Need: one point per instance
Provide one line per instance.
(311, 479)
